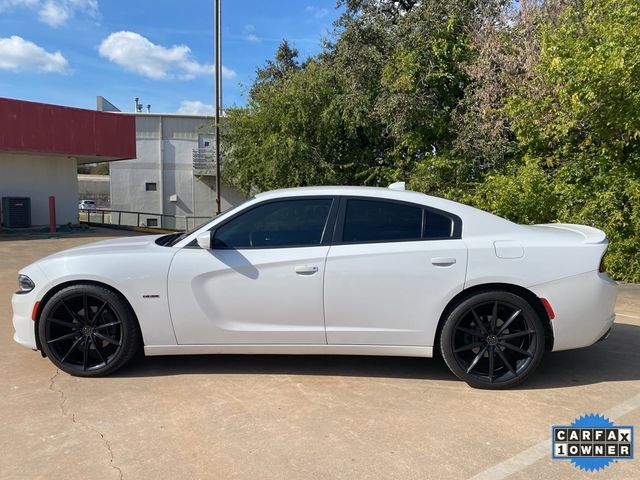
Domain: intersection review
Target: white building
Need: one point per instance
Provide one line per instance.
(173, 172)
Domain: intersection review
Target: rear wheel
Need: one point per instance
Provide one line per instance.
(493, 340)
(87, 330)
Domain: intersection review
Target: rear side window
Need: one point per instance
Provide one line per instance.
(287, 223)
(384, 221)
(379, 221)
(437, 226)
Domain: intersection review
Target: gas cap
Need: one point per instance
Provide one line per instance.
(508, 249)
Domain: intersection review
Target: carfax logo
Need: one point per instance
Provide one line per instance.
(592, 442)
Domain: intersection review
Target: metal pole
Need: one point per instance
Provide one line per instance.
(218, 94)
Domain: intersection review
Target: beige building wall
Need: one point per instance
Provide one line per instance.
(38, 177)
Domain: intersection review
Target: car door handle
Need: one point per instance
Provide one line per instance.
(306, 269)
(443, 261)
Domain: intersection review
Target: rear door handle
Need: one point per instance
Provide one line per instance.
(443, 261)
(306, 269)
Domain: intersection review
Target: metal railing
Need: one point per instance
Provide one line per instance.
(204, 161)
(125, 218)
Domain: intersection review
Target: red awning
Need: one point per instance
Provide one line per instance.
(90, 136)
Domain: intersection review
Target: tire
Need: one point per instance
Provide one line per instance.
(493, 340)
(93, 346)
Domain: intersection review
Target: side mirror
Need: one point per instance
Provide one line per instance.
(204, 240)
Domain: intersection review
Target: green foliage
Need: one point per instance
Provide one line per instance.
(585, 126)
(531, 113)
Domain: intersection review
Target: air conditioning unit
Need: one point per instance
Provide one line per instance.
(16, 212)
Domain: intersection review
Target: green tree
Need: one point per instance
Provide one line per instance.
(585, 129)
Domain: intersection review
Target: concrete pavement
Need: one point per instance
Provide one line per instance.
(276, 417)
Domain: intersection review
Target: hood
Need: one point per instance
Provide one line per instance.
(114, 245)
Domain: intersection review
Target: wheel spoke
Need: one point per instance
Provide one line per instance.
(65, 324)
(75, 316)
(505, 361)
(470, 346)
(477, 359)
(492, 354)
(98, 312)
(99, 350)
(73, 347)
(494, 316)
(475, 333)
(85, 354)
(110, 340)
(516, 349)
(63, 337)
(516, 334)
(483, 329)
(509, 321)
(110, 324)
(85, 309)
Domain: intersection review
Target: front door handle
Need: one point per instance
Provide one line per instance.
(443, 261)
(306, 269)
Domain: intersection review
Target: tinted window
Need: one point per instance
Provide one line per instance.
(376, 221)
(437, 226)
(276, 224)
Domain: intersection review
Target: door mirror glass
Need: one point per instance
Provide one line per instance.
(204, 240)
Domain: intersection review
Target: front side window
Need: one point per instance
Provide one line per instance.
(287, 223)
(380, 221)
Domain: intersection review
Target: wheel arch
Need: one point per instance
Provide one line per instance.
(61, 286)
(526, 294)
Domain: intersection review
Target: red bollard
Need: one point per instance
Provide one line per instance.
(52, 214)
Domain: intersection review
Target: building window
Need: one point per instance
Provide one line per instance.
(151, 186)
(152, 222)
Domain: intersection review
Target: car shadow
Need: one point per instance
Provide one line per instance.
(615, 359)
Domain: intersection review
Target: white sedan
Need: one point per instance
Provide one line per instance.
(327, 270)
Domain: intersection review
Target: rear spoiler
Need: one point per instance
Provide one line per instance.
(591, 235)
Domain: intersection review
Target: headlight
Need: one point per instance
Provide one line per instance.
(25, 284)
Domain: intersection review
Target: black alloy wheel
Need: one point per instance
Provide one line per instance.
(87, 330)
(493, 340)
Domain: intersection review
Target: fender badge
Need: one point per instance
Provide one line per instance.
(150, 296)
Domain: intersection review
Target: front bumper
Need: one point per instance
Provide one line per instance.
(23, 325)
(584, 307)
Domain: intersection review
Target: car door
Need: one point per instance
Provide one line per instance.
(391, 271)
(261, 283)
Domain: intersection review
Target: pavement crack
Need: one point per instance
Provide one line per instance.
(59, 391)
(54, 387)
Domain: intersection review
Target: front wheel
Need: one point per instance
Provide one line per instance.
(493, 340)
(88, 331)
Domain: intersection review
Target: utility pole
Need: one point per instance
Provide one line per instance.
(217, 48)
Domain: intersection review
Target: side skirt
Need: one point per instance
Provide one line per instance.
(374, 350)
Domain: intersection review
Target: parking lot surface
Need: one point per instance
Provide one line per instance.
(272, 417)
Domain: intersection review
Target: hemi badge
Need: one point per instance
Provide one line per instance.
(150, 296)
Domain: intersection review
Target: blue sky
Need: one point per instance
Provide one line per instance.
(68, 51)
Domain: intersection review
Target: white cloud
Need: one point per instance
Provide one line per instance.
(317, 11)
(138, 54)
(248, 33)
(54, 12)
(18, 54)
(195, 107)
